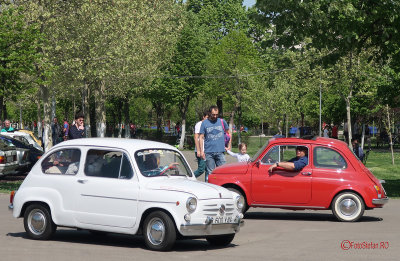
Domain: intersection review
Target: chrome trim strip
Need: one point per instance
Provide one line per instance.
(380, 201)
(95, 196)
(285, 206)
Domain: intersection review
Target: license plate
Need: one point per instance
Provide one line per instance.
(222, 220)
(10, 158)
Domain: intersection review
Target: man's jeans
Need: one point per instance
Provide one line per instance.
(213, 160)
(201, 166)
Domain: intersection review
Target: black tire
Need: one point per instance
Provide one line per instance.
(220, 240)
(38, 223)
(348, 207)
(245, 206)
(159, 231)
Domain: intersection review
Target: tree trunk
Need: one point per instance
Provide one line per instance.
(220, 106)
(39, 118)
(390, 133)
(286, 126)
(126, 116)
(184, 110)
(86, 109)
(349, 121)
(47, 138)
(363, 136)
(100, 110)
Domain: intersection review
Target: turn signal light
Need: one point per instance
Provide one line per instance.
(12, 194)
(2, 159)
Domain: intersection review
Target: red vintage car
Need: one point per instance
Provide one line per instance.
(333, 179)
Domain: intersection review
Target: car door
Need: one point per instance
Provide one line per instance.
(331, 169)
(281, 187)
(107, 192)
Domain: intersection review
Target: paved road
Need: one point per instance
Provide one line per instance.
(268, 234)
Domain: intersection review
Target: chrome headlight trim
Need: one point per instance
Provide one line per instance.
(239, 202)
(191, 204)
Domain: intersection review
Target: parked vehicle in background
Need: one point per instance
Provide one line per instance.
(22, 155)
(23, 134)
(8, 159)
(22, 145)
(334, 179)
(124, 186)
(37, 140)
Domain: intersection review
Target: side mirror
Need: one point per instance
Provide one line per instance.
(258, 163)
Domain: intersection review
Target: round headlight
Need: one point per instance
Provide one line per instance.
(191, 204)
(239, 202)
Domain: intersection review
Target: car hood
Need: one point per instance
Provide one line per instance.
(199, 189)
(233, 168)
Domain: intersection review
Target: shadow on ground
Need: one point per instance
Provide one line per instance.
(119, 240)
(297, 216)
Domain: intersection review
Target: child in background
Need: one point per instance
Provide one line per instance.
(242, 156)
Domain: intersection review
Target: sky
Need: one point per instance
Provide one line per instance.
(249, 3)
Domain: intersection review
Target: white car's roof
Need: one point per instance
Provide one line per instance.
(122, 143)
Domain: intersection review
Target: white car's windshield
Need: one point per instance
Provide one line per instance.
(161, 162)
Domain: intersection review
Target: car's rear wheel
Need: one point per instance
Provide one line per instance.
(242, 200)
(348, 207)
(159, 231)
(38, 223)
(220, 240)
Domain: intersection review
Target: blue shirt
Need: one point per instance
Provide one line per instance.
(213, 131)
(299, 163)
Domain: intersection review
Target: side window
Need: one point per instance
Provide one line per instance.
(108, 164)
(272, 156)
(328, 159)
(62, 162)
(281, 153)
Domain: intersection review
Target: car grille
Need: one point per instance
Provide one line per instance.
(214, 209)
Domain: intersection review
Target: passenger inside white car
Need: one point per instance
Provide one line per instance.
(62, 162)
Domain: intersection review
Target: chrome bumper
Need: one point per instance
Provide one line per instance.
(210, 229)
(380, 201)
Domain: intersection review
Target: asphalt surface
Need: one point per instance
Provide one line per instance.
(268, 234)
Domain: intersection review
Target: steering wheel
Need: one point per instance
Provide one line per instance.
(173, 166)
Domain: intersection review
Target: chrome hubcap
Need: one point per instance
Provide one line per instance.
(348, 207)
(156, 231)
(37, 222)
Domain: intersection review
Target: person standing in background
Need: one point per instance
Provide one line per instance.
(7, 126)
(56, 133)
(65, 129)
(201, 163)
(77, 130)
(212, 139)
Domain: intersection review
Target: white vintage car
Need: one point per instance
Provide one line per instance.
(124, 186)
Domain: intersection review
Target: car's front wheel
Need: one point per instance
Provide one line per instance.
(159, 231)
(348, 206)
(38, 223)
(220, 240)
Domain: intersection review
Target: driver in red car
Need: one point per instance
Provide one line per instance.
(297, 163)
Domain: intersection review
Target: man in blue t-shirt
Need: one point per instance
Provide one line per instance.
(212, 137)
(297, 163)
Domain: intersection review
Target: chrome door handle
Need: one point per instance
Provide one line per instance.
(306, 173)
(83, 181)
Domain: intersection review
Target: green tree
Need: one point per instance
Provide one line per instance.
(343, 28)
(18, 53)
(230, 63)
